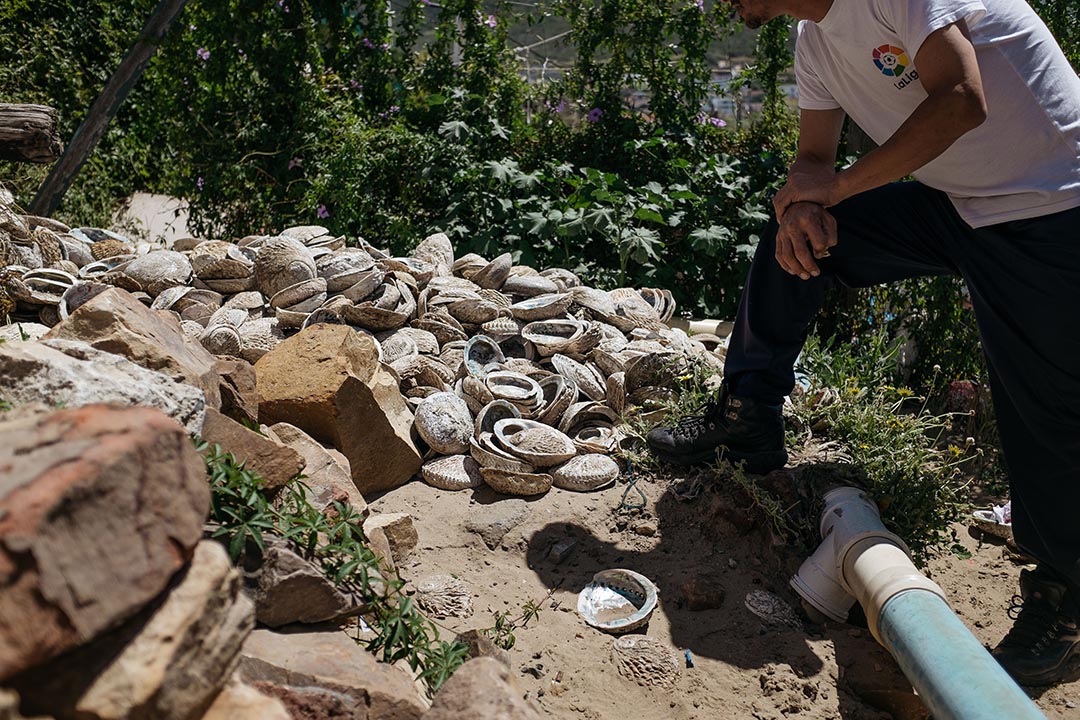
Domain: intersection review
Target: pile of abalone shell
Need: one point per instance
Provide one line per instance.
(519, 378)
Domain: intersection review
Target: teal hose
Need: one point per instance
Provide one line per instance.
(955, 676)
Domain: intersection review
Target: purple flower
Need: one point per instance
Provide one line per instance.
(199, 183)
(322, 213)
(194, 28)
(700, 5)
(295, 163)
(491, 22)
(594, 114)
(203, 54)
(385, 46)
(368, 44)
(709, 120)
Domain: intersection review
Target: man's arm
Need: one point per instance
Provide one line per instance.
(949, 73)
(808, 225)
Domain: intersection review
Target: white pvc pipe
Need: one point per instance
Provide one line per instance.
(859, 559)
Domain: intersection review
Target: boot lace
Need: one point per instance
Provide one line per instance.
(702, 421)
(1035, 624)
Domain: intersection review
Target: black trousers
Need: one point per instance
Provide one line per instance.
(1024, 279)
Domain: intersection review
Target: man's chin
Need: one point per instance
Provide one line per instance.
(753, 22)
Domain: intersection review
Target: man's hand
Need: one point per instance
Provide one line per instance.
(819, 188)
(807, 231)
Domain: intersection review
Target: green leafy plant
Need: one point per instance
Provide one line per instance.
(502, 632)
(242, 515)
(887, 431)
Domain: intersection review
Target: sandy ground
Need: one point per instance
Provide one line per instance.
(698, 551)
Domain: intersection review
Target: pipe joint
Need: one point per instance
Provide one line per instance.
(858, 559)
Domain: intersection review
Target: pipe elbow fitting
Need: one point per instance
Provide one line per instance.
(858, 559)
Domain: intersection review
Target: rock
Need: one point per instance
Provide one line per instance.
(331, 661)
(562, 550)
(73, 374)
(239, 399)
(308, 703)
(380, 545)
(492, 522)
(480, 645)
(481, 688)
(168, 663)
(9, 707)
(341, 460)
(399, 530)
(116, 322)
(963, 396)
(243, 702)
(287, 589)
(343, 397)
(646, 527)
(276, 463)
(703, 592)
(23, 332)
(326, 479)
(99, 507)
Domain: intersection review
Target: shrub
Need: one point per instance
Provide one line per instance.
(887, 431)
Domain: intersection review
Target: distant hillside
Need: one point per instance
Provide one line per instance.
(543, 41)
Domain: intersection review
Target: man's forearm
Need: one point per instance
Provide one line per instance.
(938, 122)
(806, 164)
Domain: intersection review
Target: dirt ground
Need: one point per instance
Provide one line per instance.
(703, 551)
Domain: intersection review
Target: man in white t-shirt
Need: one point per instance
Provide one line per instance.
(975, 99)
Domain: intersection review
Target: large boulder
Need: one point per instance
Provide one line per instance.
(481, 688)
(331, 661)
(168, 663)
(277, 464)
(327, 380)
(73, 374)
(116, 322)
(326, 480)
(99, 507)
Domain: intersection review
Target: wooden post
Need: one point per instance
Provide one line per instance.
(28, 133)
(104, 108)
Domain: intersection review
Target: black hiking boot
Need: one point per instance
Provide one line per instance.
(1043, 646)
(737, 429)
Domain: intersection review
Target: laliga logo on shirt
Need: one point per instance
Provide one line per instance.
(892, 61)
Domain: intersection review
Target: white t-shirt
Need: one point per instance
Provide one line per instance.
(1023, 162)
